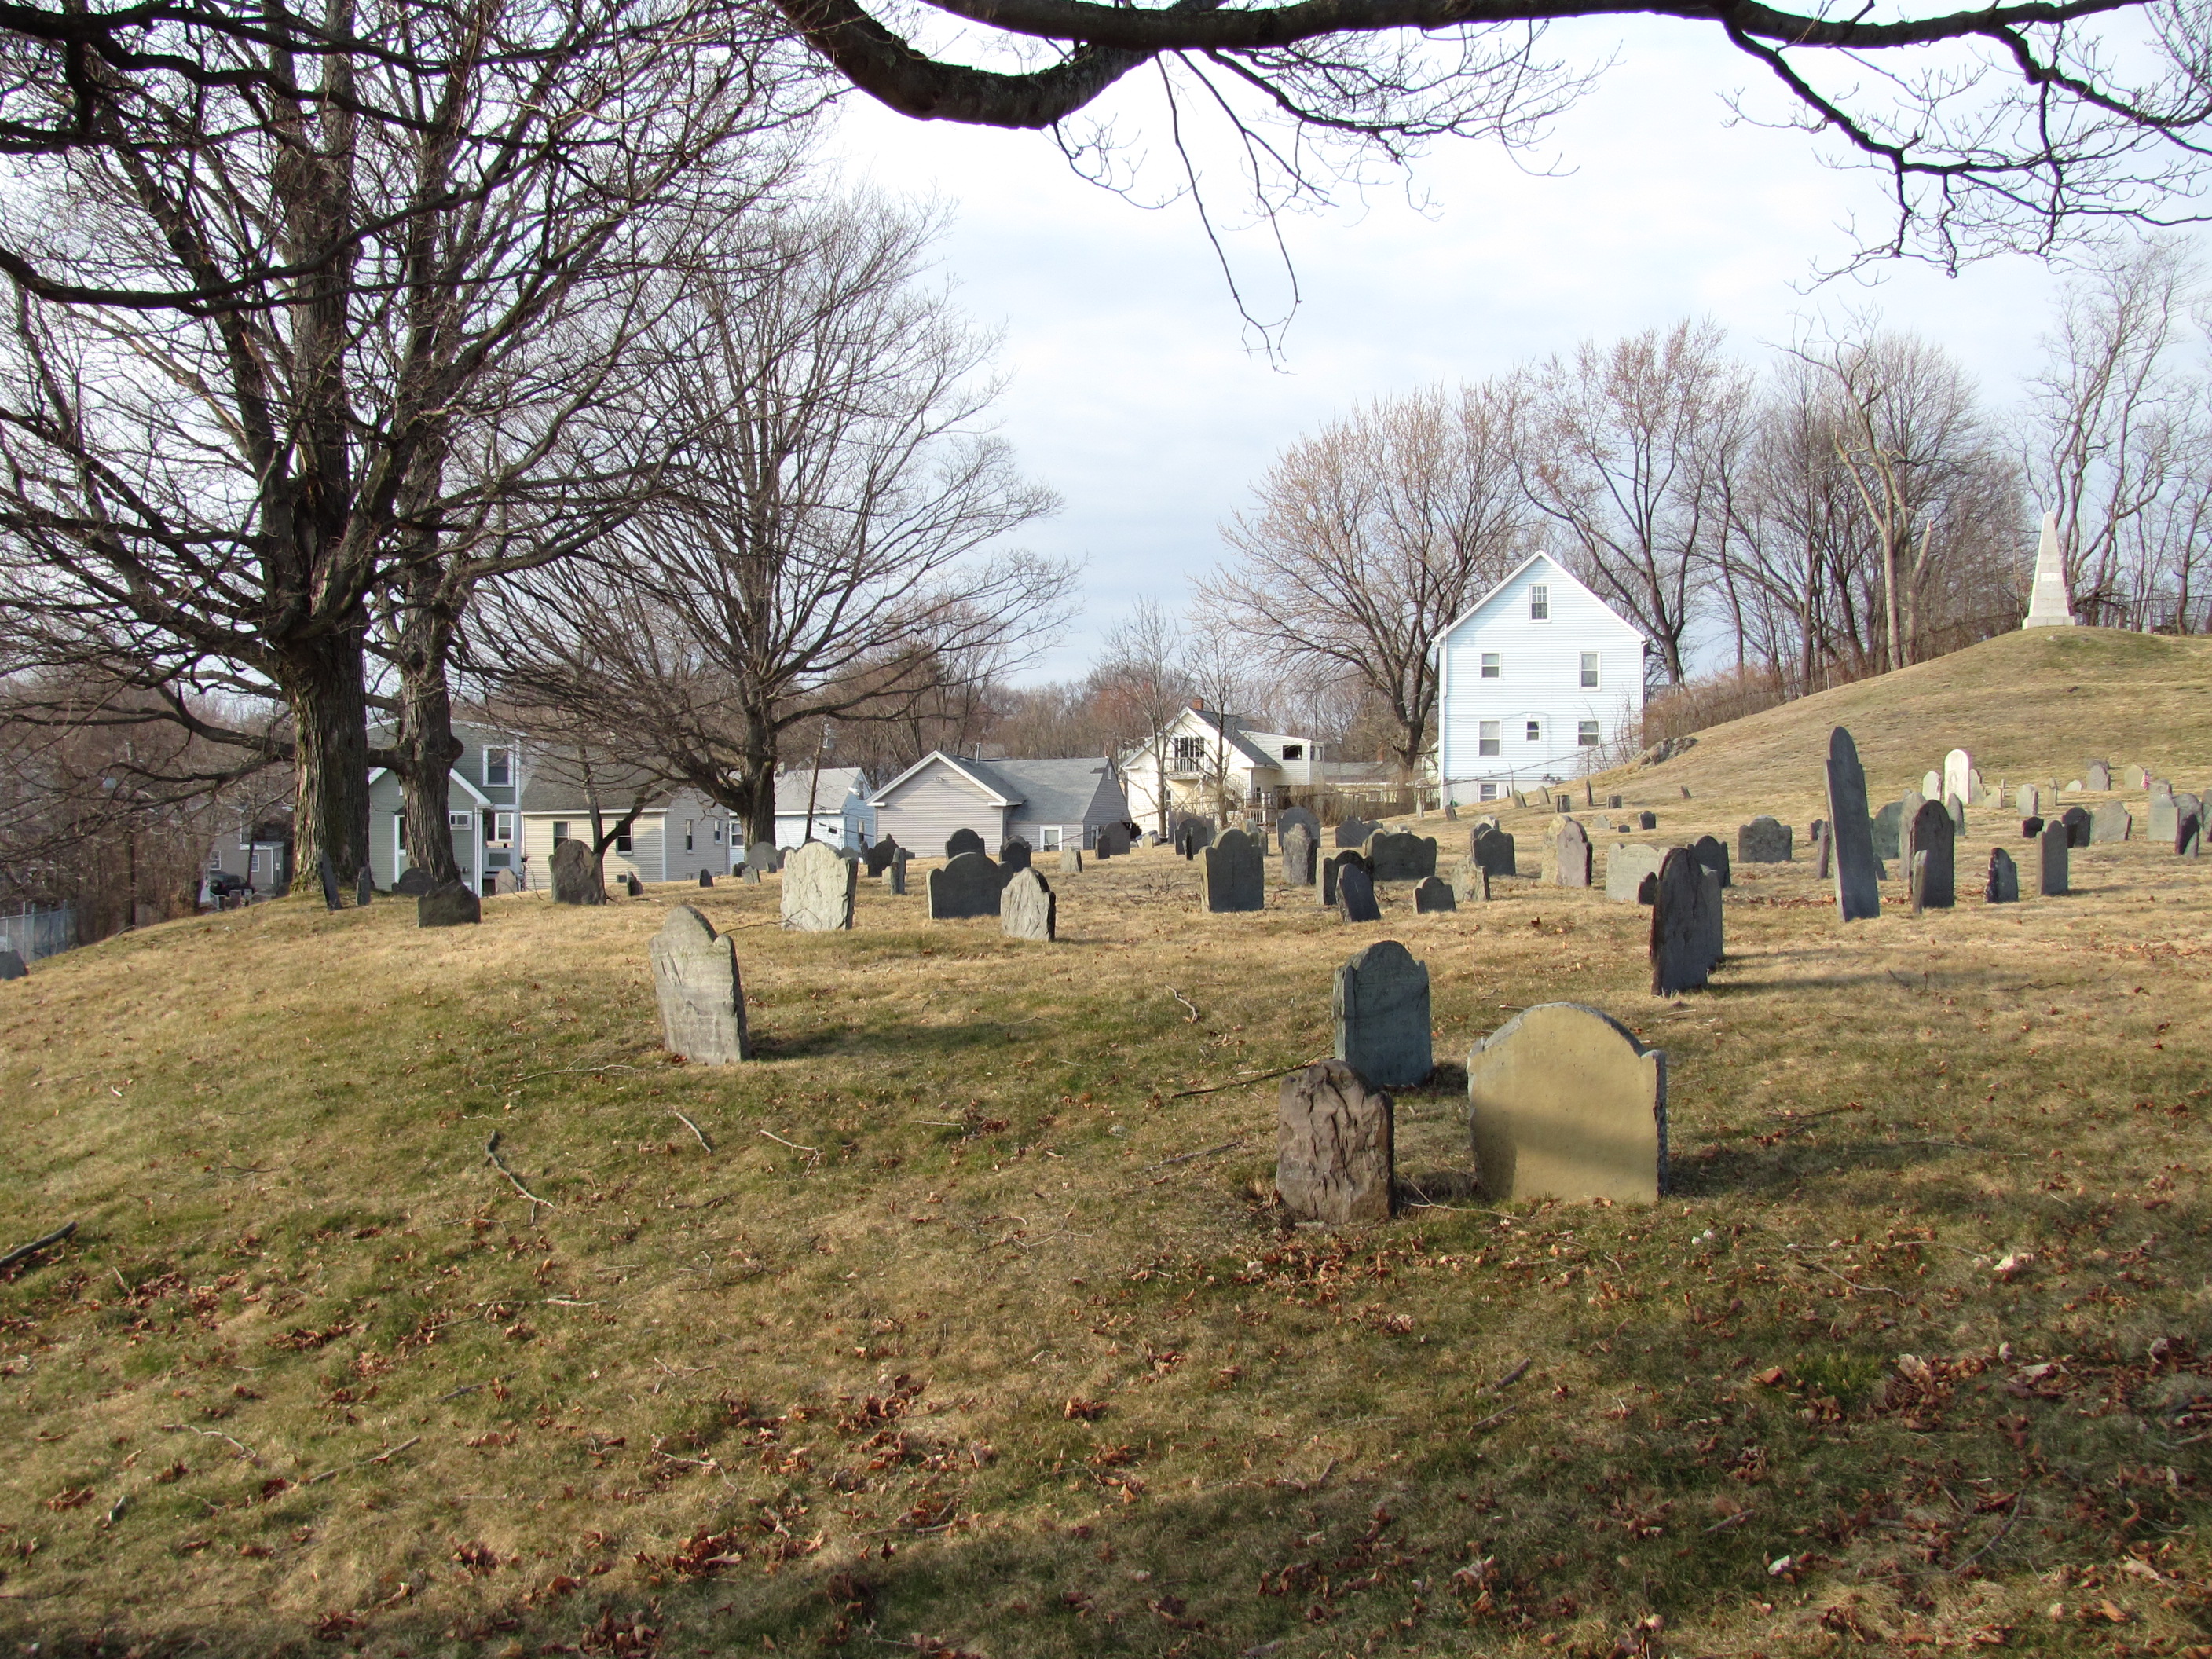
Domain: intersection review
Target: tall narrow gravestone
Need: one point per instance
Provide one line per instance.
(364, 886)
(1299, 848)
(1686, 924)
(2050, 861)
(2189, 829)
(1333, 869)
(895, 875)
(1027, 908)
(574, 876)
(330, 880)
(1355, 894)
(1233, 874)
(1381, 1003)
(1336, 1157)
(2002, 886)
(1562, 1101)
(1930, 846)
(1571, 849)
(1957, 776)
(819, 885)
(703, 1002)
(968, 885)
(1858, 897)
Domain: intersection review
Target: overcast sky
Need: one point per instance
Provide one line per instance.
(1132, 391)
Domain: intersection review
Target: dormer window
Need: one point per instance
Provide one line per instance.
(498, 769)
(1540, 601)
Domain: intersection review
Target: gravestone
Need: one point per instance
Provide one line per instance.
(1404, 857)
(1494, 850)
(1858, 897)
(968, 885)
(1192, 837)
(632, 885)
(2030, 829)
(1931, 785)
(573, 871)
(1931, 850)
(1381, 1004)
(2137, 777)
(1957, 809)
(1763, 841)
(1354, 832)
(962, 840)
(1470, 882)
(1333, 867)
(763, 858)
(703, 1001)
(1451, 813)
(1113, 841)
(1335, 1152)
(1888, 830)
(1647, 820)
(453, 905)
(1685, 938)
(503, 882)
(1708, 852)
(1299, 848)
(330, 880)
(1233, 874)
(364, 886)
(2189, 832)
(2076, 821)
(1957, 776)
(2098, 774)
(1570, 851)
(894, 876)
(1823, 850)
(1071, 860)
(2110, 822)
(1685, 792)
(2002, 886)
(706, 877)
(2050, 861)
(1613, 803)
(818, 887)
(1297, 817)
(2158, 786)
(880, 855)
(1016, 854)
(1628, 867)
(412, 883)
(1563, 1103)
(1355, 894)
(749, 874)
(12, 965)
(1027, 909)
(1433, 895)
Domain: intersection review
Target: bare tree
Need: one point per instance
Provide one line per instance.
(818, 541)
(1143, 679)
(1368, 539)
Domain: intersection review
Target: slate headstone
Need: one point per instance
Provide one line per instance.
(1494, 850)
(1381, 1005)
(1333, 867)
(962, 840)
(330, 880)
(1763, 841)
(1628, 867)
(1563, 1103)
(1470, 882)
(1823, 851)
(818, 885)
(1433, 895)
(1015, 854)
(1354, 832)
(1570, 851)
(763, 858)
(1613, 803)
(453, 905)
(1112, 840)
(2109, 822)
(1355, 894)
(2164, 819)
(1297, 817)
(1451, 813)
(2050, 861)
(2189, 832)
(1071, 860)
(413, 883)
(1686, 924)
(1889, 829)
(968, 885)
(1931, 850)
(1299, 848)
(1233, 874)
(1192, 837)
(632, 885)
(364, 886)
(1708, 852)
(1402, 857)
(1562, 805)
(880, 856)
(706, 877)
(1857, 896)
(1647, 820)
(2003, 885)
(894, 876)
(702, 998)
(573, 874)
(2076, 820)
(1027, 908)
(2030, 829)
(12, 965)
(1334, 1149)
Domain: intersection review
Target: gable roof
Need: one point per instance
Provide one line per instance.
(1229, 726)
(1513, 575)
(791, 789)
(556, 784)
(971, 770)
(1048, 791)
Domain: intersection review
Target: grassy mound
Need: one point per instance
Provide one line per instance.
(958, 1322)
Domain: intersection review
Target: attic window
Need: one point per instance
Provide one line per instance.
(499, 767)
(1294, 751)
(1189, 751)
(1539, 603)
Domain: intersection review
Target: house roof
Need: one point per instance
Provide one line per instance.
(971, 770)
(1512, 575)
(837, 783)
(556, 784)
(1228, 725)
(1046, 791)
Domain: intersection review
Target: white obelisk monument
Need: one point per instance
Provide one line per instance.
(2049, 604)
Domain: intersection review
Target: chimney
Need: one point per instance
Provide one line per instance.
(1198, 705)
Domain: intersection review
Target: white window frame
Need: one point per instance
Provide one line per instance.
(1048, 838)
(1493, 666)
(1489, 738)
(560, 831)
(688, 826)
(1488, 791)
(1294, 751)
(503, 828)
(1535, 729)
(1589, 671)
(1540, 601)
(507, 753)
(1587, 735)
(622, 843)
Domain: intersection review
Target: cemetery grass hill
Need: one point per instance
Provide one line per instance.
(962, 1318)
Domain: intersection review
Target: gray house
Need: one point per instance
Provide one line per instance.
(484, 797)
(1049, 803)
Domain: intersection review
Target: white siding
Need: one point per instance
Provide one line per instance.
(922, 813)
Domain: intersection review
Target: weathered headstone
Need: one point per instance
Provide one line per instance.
(1857, 896)
(1233, 874)
(1888, 830)
(2076, 820)
(1571, 852)
(1763, 841)
(12, 965)
(1354, 832)
(1299, 848)
(2136, 777)
(1192, 837)
(1071, 860)
(2098, 776)
(1027, 908)
(818, 889)
(1685, 792)
(455, 904)
(1470, 882)
(504, 882)
(1381, 1004)
(2164, 818)
(880, 856)
(1613, 803)
(765, 857)
(1333, 867)
(1297, 817)
(1957, 776)
(632, 885)
(1824, 851)
(2030, 829)
(1016, 854)
(1451, 813)
(330, 880)
(1931, 785)
(1628, 867)
(364, 886)
(1931, 850)
(1334, 1149)
(2050, 861)
(2002, 886)
(2159, 787)
(1562, 1101)
(1708, 852)
(894, 876)
(2189, 831)
(1686, 924)
(702, 1000)
(706, 877)
(1433, 895)
(749, 874)
(968, 885)
(1355, 894)
(2110, 822)
(962, 840)
(1493, 849)
(575, 874)
(413, 883)
(1647, 820)
(1957, 809)
(1403, 857)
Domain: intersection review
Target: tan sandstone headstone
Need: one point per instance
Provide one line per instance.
(1562, 1101)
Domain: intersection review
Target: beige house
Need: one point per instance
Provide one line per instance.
(677, 833)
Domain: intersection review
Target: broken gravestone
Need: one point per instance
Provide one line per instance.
(2076, 820)
(632, 885)
(1380, 1002)
(1685, 938)
(330, 880)
(1470, 882)
(453, 905)
(695, 980)
(575, 878)
(1027, 908)
(1233, 874)
(819, 885)
(1297, 817)
(2002, 886)
(1334, 1156)
(968, 885)
(1563, 1103)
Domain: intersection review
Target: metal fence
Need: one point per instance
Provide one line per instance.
(36, 933)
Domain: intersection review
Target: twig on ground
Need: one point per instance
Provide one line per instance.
(24, 1252)
(1494, 1418)
(244, 1451)
(1728, 1521)
(1239, 1083)
(492, 1158)
(1187, 1003)
(389, 1452)
(1864, 1290)
(1511, 1377)
(813, 1153)
(1185, 1157)
(1996, 1539)
(704, 1143)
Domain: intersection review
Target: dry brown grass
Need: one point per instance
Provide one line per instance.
(964, 1357)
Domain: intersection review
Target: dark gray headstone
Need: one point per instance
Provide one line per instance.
(412, 883)
(632, 885)
(2109, 822)
(453, 905)
(1494, 850)
(1027, 908)
(968, 885)
(880, 855)
(1383, 1020)
(1335, 866)
(1299, 848)
(1647, 820)
(330, 880)
(1016, 854)
(963, 840)
(574, 875)
(1613, 803)
(1708, 852)
(2189, 831)
(2030, 829)
(1763, 841)
(1470, 882)
(364, 886)
(1571, 850)
(1930, 850)
(1434, 894)
(1686, 924)
(1685, 792)
(1334, 1152)
(1857, 895)
(1402, 857)
(1355, 894)
(1354, 832)
(702, 1000)
(894, 876)
(706, 877)
(1233, 874)
(1889, 831)
(1295, 817)
(2076, 820)
(12, 965)
(2050, 871)
(1192, 837)
(2002, 886)
(1112, 840)
(818, 885)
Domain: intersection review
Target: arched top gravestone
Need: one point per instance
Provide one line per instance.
(1380, 1002)
(961, 841)
(1299, 848)
(1851, 854)
(1294, 817)
(818, 885)
(694, 980)
(968, 885)
(1027, 907)
(1402, 857)
(1233, 874)
(1929, 851)
(1015, 854)
(1562, 1101)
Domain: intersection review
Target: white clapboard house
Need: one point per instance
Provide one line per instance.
(1050, 804)
(1206, 758)
(831, 806)
(1540, 681)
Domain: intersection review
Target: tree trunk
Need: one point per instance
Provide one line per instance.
(426, 749)
(321, 679)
